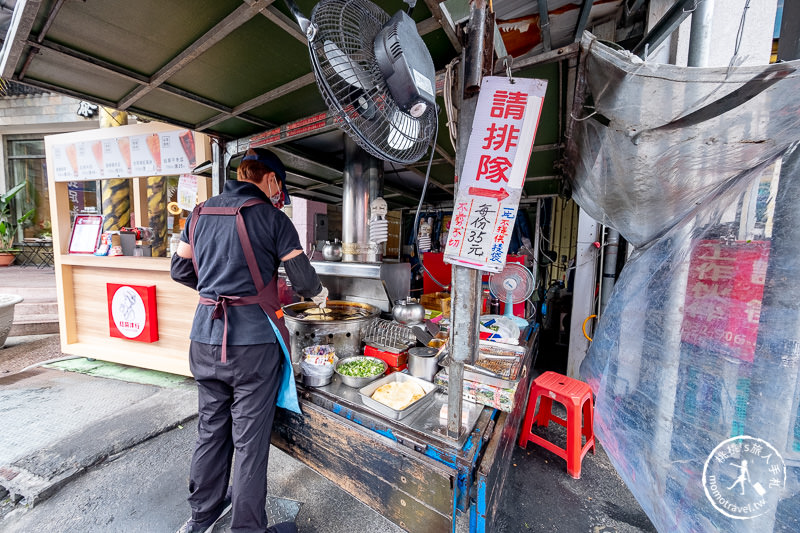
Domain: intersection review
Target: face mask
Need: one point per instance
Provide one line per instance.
(276, 198)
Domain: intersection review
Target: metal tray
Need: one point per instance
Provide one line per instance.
(366, 393)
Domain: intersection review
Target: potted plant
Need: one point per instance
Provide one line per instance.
(9, 224)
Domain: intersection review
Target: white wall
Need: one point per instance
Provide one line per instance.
(756, 44)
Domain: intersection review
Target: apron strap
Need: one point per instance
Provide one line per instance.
(266, 295)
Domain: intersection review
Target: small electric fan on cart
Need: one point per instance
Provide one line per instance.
(512, 285)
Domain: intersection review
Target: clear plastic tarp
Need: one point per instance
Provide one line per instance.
(696, 359)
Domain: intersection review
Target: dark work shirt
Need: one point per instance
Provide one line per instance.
(222, 268)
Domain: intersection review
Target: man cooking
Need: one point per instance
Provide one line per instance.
(229, 252)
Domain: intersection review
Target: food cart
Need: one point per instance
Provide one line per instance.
(422, 471)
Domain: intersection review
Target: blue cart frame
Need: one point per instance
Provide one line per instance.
(421, 484)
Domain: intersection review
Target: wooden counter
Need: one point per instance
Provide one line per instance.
(83, 311)
(83, 308)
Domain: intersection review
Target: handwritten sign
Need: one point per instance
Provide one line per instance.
(491, 182)
(187, 191)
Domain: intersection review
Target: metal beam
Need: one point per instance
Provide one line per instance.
(308, 165)
(530, 59)
(583, 19)
(286, 88)
(446, 156)
(445, 21)
(134, 77)
(111, 68)
(665, 26)
(431, 181)
(285, 23)
(221, 30)
(430, 25)
(51, 17)
(425, 163)
(544, 25)
(68, 92)
(19, 30)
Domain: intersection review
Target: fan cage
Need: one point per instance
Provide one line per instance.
(518, 272)
(353, 87)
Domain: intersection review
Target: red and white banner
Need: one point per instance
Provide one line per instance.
(491, 182)
(723, 296)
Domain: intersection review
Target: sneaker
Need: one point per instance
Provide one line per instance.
(283, 527)
(190, 526)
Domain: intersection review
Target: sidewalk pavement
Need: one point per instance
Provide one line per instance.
(98, 448)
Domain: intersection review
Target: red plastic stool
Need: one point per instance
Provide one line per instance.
(576, 396)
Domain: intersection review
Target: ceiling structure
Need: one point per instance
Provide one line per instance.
(239, 71)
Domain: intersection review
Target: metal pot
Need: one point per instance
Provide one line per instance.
(408, 311)
(423, 363)
(332, 251)
(341, 325)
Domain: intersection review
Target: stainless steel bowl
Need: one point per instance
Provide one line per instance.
(359, 382)
(316, 381)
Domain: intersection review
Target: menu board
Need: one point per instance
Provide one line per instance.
(85, 232)
(154, 154)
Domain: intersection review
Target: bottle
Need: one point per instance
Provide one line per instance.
(174, 241)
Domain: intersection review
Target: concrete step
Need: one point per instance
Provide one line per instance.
(32, 294)
(42, 326)
(27, 309)
(38, 312)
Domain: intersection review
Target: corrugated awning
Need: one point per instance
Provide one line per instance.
(234, 69)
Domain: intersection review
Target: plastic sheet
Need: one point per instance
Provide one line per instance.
(696, 360)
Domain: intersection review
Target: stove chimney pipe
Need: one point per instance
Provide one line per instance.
(363, 182)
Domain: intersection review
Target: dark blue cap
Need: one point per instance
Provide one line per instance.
(271, 161)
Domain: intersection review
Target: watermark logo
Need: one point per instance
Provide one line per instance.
(743, 477)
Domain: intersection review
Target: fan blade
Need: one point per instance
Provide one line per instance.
(347, 69)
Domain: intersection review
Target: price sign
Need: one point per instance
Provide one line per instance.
(490, 184)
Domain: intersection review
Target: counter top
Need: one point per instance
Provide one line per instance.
(120, 261)
(425, 421)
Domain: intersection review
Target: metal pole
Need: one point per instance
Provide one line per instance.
(219, 166)
(611, 248)
(700, 37)
(466, 290)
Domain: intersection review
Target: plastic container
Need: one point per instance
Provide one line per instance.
(318, 364)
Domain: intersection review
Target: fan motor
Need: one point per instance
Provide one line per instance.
(406, 65)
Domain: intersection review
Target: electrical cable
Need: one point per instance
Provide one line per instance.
(450, 111)
(419, 208)
(739, 35)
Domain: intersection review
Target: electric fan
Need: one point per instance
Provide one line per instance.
(512, 285)
(375, 74)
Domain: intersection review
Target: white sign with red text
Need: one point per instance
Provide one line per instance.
(491, 181)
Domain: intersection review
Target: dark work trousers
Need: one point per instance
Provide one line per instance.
(236, 408)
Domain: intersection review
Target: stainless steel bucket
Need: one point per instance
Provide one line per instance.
(423, 362)
(341, 325)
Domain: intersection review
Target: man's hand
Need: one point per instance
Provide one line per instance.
(321, 298)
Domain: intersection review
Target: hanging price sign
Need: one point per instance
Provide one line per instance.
(491, 181)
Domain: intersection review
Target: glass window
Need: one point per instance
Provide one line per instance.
(26, 164)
